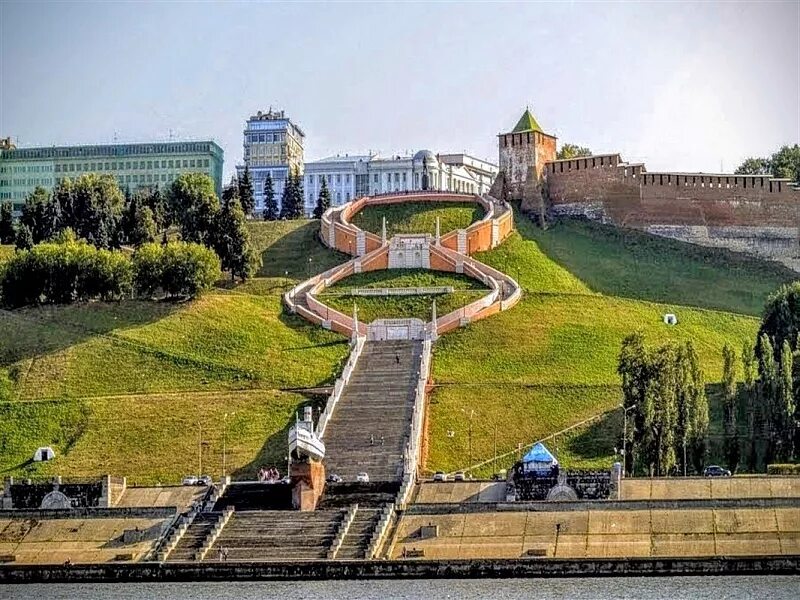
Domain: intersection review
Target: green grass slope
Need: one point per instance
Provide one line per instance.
(550, 362)
(418, 217)
(465, 290)
(129, 388)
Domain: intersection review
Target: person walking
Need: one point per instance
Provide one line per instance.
(396, 358)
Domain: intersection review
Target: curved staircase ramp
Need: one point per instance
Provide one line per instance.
(278, 535)
(370, 425)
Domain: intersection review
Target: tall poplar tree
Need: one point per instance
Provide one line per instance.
(768, 393)
(700, 408)
(784, 406)
(749, 371)
(729, 407)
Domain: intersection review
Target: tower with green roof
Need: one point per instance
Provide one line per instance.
(523, 153)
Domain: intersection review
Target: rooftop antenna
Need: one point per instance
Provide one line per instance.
(170, 135)
(115, 137)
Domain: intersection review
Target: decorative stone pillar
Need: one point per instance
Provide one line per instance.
(355, 322)
(438, 233)
(383, 232)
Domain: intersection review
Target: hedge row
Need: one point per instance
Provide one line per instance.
(72, 270)
(783, 469)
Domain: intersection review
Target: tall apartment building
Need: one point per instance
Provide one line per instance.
(274, 145)
(349, 177)
(133, 165)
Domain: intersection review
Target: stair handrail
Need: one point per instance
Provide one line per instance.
(215, 532)
(349, 517)
(411, 458)
(381, 532)
(340, 384)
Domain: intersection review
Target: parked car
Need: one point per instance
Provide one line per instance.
(286, 479)
(362, 478)
(716, 471)
(204, 480)
(190, 480)
(440, 476)
(459, 476)
(334, 478)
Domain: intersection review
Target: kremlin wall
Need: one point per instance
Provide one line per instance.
(754, 214)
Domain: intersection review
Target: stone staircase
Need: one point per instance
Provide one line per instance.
(357, 539)
(278, 535)
(191, 541)
(370, 425)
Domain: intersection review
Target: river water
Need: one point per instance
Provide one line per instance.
(766, 587)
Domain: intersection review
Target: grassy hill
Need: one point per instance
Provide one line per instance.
(132, 388)
(418, 217)
(550, 362)
(129, 388)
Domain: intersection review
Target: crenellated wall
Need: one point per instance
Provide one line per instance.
(755, 214)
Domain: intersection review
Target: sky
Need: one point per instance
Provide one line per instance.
(679, 86)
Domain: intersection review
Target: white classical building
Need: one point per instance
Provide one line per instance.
(352, 176)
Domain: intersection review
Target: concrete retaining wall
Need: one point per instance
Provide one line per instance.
(229, 571)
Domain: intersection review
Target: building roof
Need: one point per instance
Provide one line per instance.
(527, 123)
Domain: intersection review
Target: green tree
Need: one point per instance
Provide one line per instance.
(233, 242)
(699, 408)
(24, 237)
(246, 197)
(188, 269)
(230, 193)
(781, 317)
(786, 163)
(572, 151)
(684, 397)
(97, 207)
(6, 223)
(195, 205)
(729, 407)
(768, 393)
(34, 215)
(148, 264)
(633, 369)
(157, 203)
(785, 408)
(754, 166)
(661, 414)
(270, 205)
(749, 366)
(324, 200)
(287, 199)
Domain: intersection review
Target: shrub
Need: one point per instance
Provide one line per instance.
(63, 272)
(783, 469)
(147, 269)
(188, 269)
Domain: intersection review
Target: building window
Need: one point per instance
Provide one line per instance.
(149, 164)
(171, 164)
(185, 164)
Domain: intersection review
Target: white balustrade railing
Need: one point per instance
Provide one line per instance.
(340, 384)
(412, 449)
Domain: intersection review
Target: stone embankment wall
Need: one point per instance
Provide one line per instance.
(758, 215)
(378, 569)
